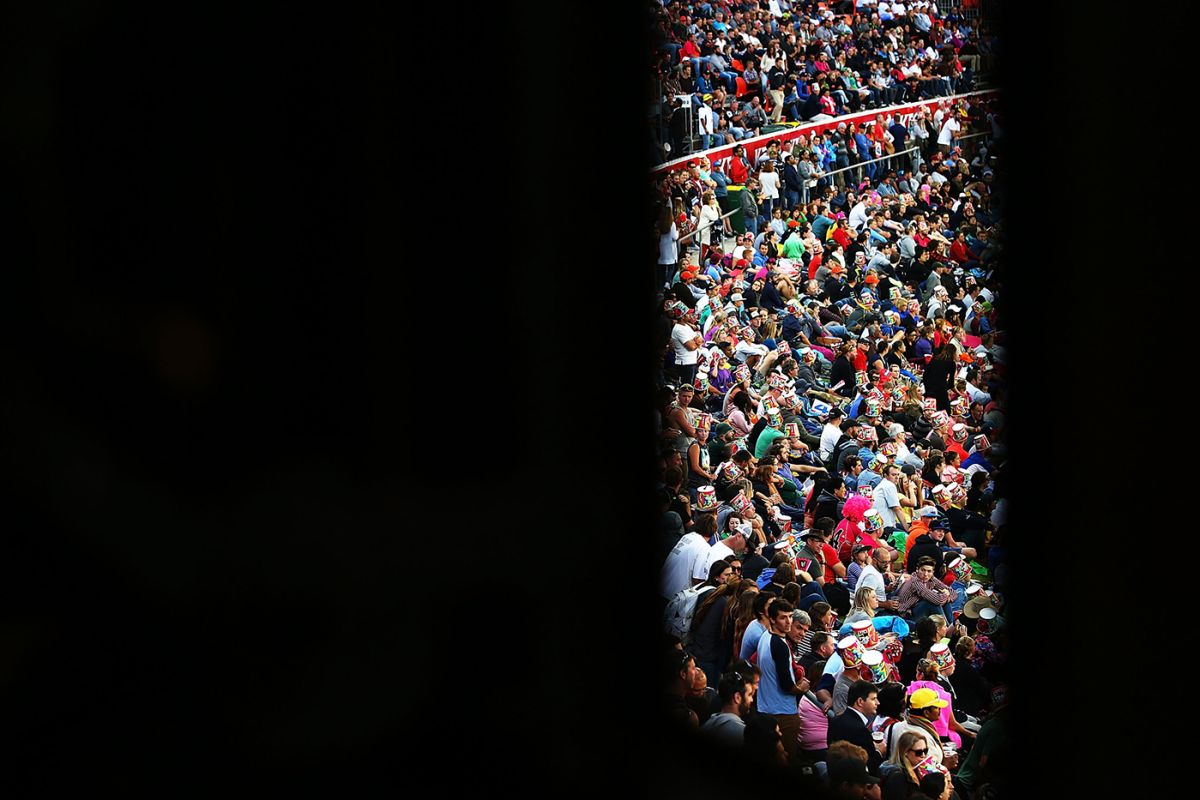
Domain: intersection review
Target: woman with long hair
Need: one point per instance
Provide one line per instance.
(706, 222)
(668, 245)
(863, 606)
(909, 750)
(707, 644)
(742, 615)
(740, 417)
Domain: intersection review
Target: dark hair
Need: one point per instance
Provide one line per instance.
(718, 566)
(762, 598)
(782, 606)
(674, 662)
(825, 525)
(926, 561)
(761, 738)
(818, 639)
(732, 683)
(933, 784)
(791, 593)
(891, 700)
(861, 690)
(729, 490)
(926, 632)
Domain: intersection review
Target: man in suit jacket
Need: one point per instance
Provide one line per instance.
(853, 724)
(793, 186)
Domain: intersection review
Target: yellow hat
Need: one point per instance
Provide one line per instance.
(924, 698)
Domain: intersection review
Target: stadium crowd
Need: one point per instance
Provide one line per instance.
(831, 438)
(727, 72)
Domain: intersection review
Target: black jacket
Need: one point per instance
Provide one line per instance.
(791, 178)
(843, 370)
(849, 727)
(925, 546)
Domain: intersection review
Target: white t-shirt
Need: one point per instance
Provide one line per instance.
(704, 119)
(770, 184)
(886, 498)
(829, 436)
(715, 553)
(858, 216)
(746, 349)
(680, 335)
(668, 246)
(680, 565)
(948, 130)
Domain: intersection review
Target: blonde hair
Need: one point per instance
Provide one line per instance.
(903, 745)
(860, 601)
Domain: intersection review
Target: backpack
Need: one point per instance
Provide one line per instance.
(677, 619)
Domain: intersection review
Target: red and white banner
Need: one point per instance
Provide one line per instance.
(905, 113)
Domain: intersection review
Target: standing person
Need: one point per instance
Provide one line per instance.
(686, 341)
(736, 692)
(776, 79)
(705, 122)
(707, 641)
(721, 192)
(750, 206)
(793, 183)
(946, 135)
(747, 644)
(768, 178)
(668, 247)
(778, 691)
(939, 377)
(708, 224)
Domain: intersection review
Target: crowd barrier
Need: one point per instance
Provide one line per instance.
(905, 111)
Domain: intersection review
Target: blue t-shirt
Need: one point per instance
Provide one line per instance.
(977, 458)
(772, 699)
(722, 182)
(869, 478)
(750, 639)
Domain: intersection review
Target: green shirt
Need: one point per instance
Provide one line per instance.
(765, 439)
(991, 735)
(793, 248)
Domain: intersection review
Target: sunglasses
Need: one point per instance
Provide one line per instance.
(922, 753)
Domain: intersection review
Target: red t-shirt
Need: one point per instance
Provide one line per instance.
(959, 251)
(860, 361)
(831, 556)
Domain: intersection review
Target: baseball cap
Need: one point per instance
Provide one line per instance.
(924, 698)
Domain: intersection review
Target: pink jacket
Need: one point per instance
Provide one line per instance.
(942, 723)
